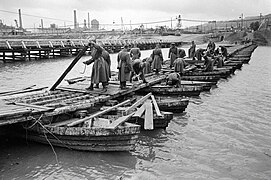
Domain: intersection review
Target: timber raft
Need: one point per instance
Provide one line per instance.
(25, 106)
(30, 49)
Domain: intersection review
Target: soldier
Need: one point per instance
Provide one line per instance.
(99, 72)
(181, 53)
(199, 53)
(172, 54)
(157, 59)
(209, 62)
(179, 65)
(135, 52)
(124, 66)
(174, 79)
(138, 67)
(148, 62)
(192, 50)
(211, 46)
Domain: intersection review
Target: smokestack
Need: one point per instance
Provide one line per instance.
(85, 23)
(75, 21)
(88, 21)
(41, 21)
(20, 19)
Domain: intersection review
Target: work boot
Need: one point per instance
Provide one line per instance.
(90, 88)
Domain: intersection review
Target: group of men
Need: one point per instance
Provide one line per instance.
(129, 65)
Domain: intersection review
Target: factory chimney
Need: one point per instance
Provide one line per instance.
(75, 20)
(88, 22)
(20, 19)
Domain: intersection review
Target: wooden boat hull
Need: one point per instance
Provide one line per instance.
(221, 73)
(123, 138)
(206, 86)
(172, 104)
(213, 79)
(169, 90)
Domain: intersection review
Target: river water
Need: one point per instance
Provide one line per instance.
(224, 134)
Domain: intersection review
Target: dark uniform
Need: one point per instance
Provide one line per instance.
(181, 53)
(124, 66)
(179, 65)
(172, 54)
(157, 59)
(99, 72)
(192, 50)
(138, 67)
(199, 53)
(174, 79)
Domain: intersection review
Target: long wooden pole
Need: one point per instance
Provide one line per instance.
(98, 113)
(76, 59)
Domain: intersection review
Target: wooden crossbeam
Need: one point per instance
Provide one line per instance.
(98, 113)
(157, 110)
(148, 123)
(140, 101)
(119, 121)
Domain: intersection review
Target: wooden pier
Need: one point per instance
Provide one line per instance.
(31, 49)
(67, 100)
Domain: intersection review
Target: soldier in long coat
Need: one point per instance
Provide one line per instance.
(107, 59)
(181, 53)
(172, 54)
(192, 50)
(199, 53)
(209, 62)
(138, 69)
(179, 65)
(157, 59)
(135, 52)
(124, 66)
(99, 72)
(148, 61)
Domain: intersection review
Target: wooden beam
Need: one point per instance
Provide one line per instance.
(157, 110)
(140, 111)
(140, 101)
(118, 122)
(148, 123)
(79, 55)
(98, 113)
(34, 106)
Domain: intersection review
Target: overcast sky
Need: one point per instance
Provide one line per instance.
(136, 11)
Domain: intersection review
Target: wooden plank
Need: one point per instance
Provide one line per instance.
(140, 101)
(119, 121)
(140, 111)
(157, 110)
(12, 91)
(72, 89)
(34, 106)
(23, 91)
(79, 55)
(15, 113)
(98, 113)
(148, 123)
